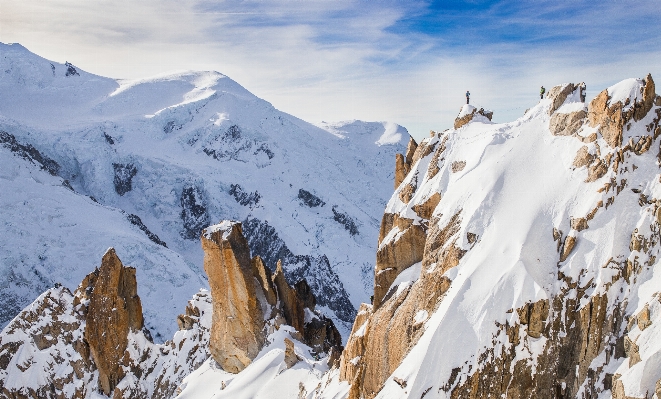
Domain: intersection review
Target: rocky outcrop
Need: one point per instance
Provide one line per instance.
(403, 163)
(113, 311)
(566, 123)
(468, 113)
(247, 299)
(237, 332)
(558, 94)
(382, 336)
(401, 248)
(613, 117)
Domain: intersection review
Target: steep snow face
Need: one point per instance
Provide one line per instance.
(520, 188)
(172, 155)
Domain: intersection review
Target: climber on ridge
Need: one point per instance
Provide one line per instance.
(468, 96)
(541, 93)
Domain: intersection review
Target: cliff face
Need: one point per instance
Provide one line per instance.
(237, 332)
(248, 302)
(113, 310)
(92, 342)
(518, 260)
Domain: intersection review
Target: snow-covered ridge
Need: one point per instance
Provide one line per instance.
(144, 165)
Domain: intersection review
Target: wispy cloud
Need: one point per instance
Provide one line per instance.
(407, 62)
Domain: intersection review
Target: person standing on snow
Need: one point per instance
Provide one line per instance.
(541, 93)
(468, 96)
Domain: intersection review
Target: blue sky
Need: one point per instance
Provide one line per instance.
(404, 61)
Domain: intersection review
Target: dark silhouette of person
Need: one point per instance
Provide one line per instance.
(468, 96)
(541, 93)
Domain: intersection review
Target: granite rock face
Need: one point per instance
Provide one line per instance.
(248, 301)
(113, 311)
(237, 332)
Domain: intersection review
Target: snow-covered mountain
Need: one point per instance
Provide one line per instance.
(88, 162)
(515, 260)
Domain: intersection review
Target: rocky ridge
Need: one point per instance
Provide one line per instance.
(93, 341)
(587, 332)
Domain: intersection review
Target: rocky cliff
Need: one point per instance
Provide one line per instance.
(248, 301)
(520, 260)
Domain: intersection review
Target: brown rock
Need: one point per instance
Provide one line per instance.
(567, 247)
(265, 279)
(534, 315)
(607, 117)
(459, 122)
(237, 332)
(292, 307)
(596, 171)
(583, 157)
(355, 347)
(567, 124)
(403, 163)
(396, 256)
(649, 95)
(406, 193)
(290, 356)
(643, 318)
(558, 94)
(632, 351)
(578, 224)
(458, 166)
(434, 167)
(425, 148)
(426, 209)
(114, 309)
(401, 169)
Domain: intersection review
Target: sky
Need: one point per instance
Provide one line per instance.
(408, 62)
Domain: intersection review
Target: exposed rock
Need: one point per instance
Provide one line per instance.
(564, 363)
(426, 209)
(136, 221)
(567, 124)
(316, 270)
(321, 335)
(29, 153)
(305, 294)
(124, 174)
(403, 163)
(632, 351)
(345, 220)
(534, 316)
(114, 309)
(434, 164)
(355, 347)
(406, 193)
(237, 332)
(458, 166)
(643, 318)
(578, 224)
(265, 280)
(194, 213)
(596, 171)
(243, 197)
(583, 157)
(607, 117)
(404, 249)
(382, 336)
(558, 94)
(290, 356)
(292, 307)
(567, 247)
(463, 120)
(649, 95)
(310, 200)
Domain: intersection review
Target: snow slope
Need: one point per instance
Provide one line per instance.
(179, 152)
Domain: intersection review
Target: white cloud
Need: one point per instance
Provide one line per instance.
(332, 60)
